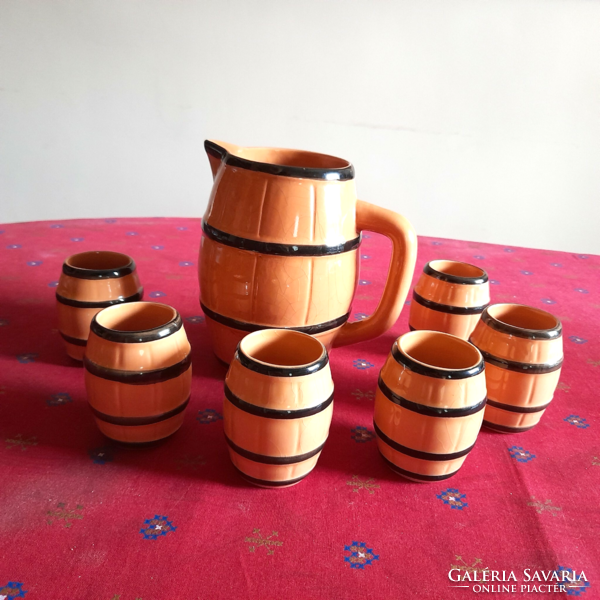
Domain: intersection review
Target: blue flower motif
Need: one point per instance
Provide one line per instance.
(364, 282)
(77, 239)
(359, 556)
(577, 340)
(34, 263)
(578, 421)
(13, 589)
(186, 263)
(157, 294)
(521, 455)
(559, 265)
(195, 319)
(509, 250)
(154, 528)
(157, 247)
(13, 246)
(361, 364)
(27, 358)
(407, 303)
(365, 256)
(582, 256)
(361, 434)
(360, 316)
(110, 220)
(479, 257)
(453, 498)
(208, 416)
(182, 229)
(4, 322)
(494, 282)
(581, 291)
(56, 226)
(366, 236)
(548, 301)
(101, 456)
(574, 586)
(131, 233)
(59, 399)
(527, 272)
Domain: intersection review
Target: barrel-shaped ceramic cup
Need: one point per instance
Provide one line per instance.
(278, 406)
(523, 352)
(429, 404)
(138, 371)
(89, 282)
(449, 297)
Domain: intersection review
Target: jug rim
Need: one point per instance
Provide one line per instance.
(342, 172)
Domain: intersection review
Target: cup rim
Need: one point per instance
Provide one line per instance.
(72, 270)
(431, 269)
(496, 323)
(244, 355)
(170, 326)
(402, 356)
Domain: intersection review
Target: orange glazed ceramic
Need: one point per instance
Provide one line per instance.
(89, 282)
(522, 348)
(138, 371)
(429, 405)
(278, 406)
(450, 297)
(280, 248)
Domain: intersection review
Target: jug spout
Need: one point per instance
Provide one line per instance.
(216, 152)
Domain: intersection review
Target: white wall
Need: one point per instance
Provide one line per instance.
(476, 119)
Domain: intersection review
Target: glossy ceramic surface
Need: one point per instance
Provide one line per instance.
(523, 352)
(89, 282)
(449, 297)
(280, 248)
(278, 406)
(138, 371)
(429, 405)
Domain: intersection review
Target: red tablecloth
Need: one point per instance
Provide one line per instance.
(79, 515)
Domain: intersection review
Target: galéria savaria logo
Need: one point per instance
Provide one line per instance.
(527, 581)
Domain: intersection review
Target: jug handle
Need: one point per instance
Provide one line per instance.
(402, 264)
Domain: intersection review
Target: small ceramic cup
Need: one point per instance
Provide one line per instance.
(138, 371)
(278, 406)
(522, 348)
(89, 282)
(449, 297)
(429, 404)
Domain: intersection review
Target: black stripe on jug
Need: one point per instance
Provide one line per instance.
(419, 453)
(447, 277)
(281, 371)
(250, 327)
(329, 174)
(446, 308)
(138, 377)
(137, 337)
(421, 369)
(520, 367)
(273, 460)
(271, 413)
(528, 334)
(137, 421)
(103, 304)
(417, 476)
(429, 411)
(267, 482)
(72, 340)
(505, 428)
(241, 243)
(518, 409)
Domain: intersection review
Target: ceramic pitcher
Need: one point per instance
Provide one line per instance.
(280, 248)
